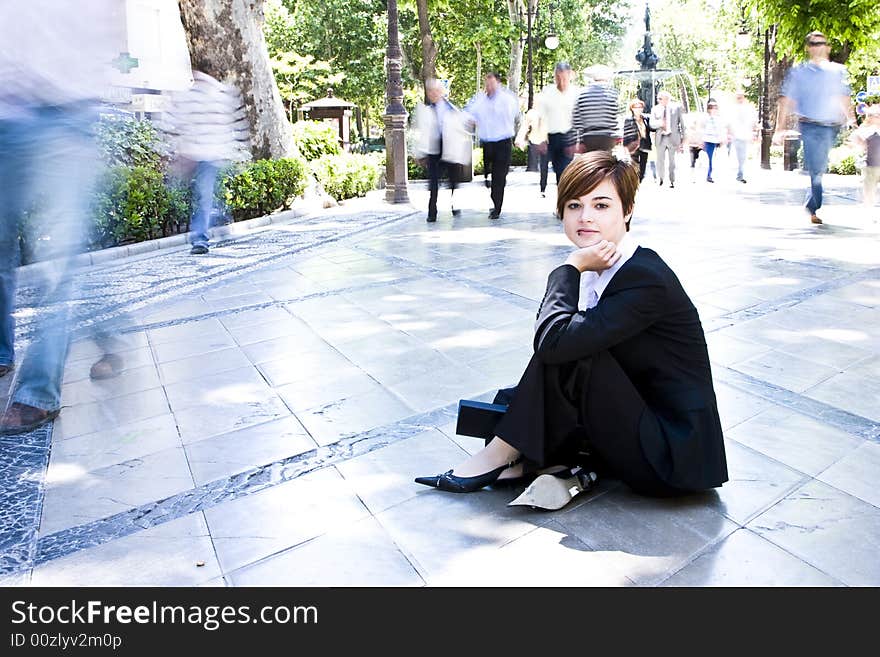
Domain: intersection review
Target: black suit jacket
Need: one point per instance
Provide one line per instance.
(651, 328)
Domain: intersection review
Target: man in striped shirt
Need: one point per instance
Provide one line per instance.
(594, 120)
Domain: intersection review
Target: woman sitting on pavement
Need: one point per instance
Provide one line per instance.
(626, 381)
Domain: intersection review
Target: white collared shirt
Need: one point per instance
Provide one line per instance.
(598, 282)
(557, 107)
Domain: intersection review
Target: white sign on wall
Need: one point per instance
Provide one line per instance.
(873, 84)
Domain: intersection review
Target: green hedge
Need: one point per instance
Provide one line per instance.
(519, 157)
(133, 204)
(262, 187)
(347, 175)
(315, 139)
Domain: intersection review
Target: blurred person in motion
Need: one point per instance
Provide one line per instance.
(693, 138)
(494, 111)
(666, 121)
(743, 126)
(557, 103)
(867, 138)
(441, 145)
(637, 135)
(818, 94)
(594, 118)
(714, 134)
(207, 128)
(55, 60)
(533, 135)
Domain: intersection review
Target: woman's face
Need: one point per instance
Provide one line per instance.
(637, 110)
(595, 216)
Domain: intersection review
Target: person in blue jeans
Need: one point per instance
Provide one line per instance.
(207, 127)
(816, 92)
(714, 134)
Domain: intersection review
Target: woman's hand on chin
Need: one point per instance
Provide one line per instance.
(596, 257)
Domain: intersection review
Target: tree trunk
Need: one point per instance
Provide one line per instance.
(514, 73)
(429, 48)
(225, 39)
(479, 65)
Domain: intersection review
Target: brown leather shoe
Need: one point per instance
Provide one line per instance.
(107, 367)
(21, 418)
(815, 219)
(6, 369)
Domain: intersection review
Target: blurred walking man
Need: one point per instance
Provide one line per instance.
(816, 92)
(594, 119)
(494, 112)
(667, 122)
(743, 123)
(557, 104)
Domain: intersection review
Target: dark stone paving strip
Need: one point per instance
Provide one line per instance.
(245, 483)
(23, 462)
(831, 415)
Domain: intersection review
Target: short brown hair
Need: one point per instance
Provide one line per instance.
(586, 172)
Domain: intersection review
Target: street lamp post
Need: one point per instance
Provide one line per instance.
(766, 129)
(394, 117)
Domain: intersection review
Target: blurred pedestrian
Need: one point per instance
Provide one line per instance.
(494, 111)
(693, 138)
(54, 67)
(594, 120)
(867, 138)
(666, 121)
(743, 125)
(208, 128)
(818, 93)
(557, 104)
(637, 135)
(533, 135)
(714, 134)
(442, 145)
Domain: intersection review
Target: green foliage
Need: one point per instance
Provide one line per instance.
(842, 160)
(850, 26)
(347, 175)
(414, 170)
(477, 159)
(126, 141)
(262, 187)
(133, 204)
(519, 157)
(316, 139)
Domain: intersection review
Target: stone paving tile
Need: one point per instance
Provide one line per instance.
(277, 348)
(384, 478)
(785, 370)
(196, 367)
(251, 318)
(256, 526)
(851, 392)
(856, 473)
(204, 329)
(221, 456)
(735, 406)
(659, 535)
(361, 554)
(292, 368)
(440, 532)
(865, 293)
(326, 387)
(127, 382)
(798, 441)
(240, 386)
(424, 392)
(165, 555)
(132, 359)
(756, 483)
(290, 328)
(206, 420)
(546, 556)
(830, 530)
(181, 349)
(746, 559)
(332, 421)
(99, 416)
(90, 349)
(113, 445)
(78, 496)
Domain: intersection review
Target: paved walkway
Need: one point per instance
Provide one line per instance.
(281, 393)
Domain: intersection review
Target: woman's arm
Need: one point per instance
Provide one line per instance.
(635, 300)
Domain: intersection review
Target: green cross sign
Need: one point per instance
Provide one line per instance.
(125, 62)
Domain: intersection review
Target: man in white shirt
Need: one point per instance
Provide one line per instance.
(494, 113)
(743, 125)
(557, 104)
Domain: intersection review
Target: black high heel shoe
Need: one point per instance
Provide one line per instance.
(452, 484)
